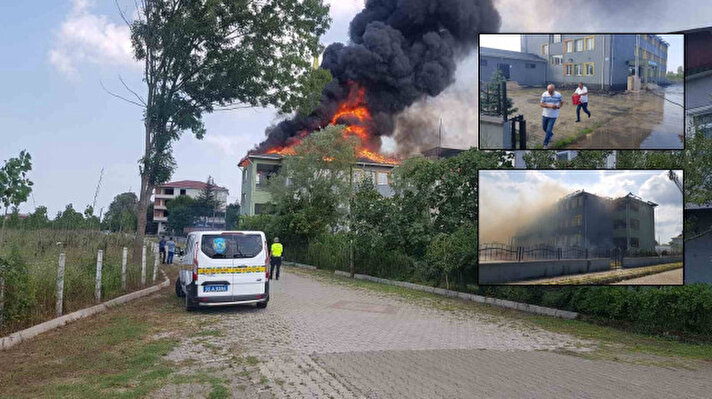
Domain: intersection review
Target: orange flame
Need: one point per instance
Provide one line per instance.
(354, 114)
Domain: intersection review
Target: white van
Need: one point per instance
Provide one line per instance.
(228, 268)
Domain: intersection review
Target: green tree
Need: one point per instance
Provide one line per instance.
(37, 219)
(207, 203)
(199, 56)
(232, 216)
(122, 214)
(546, 159)
(455, 252)
(183, 212)
(69, 219)
(494, 88)
(310, 193)
(15, 186)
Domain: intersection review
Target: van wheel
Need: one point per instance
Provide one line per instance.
(189, 303)
(261, 305)
(179, 289)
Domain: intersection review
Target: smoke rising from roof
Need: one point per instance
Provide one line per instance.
(400, 52)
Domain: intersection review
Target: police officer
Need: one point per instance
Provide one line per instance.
(276, 251)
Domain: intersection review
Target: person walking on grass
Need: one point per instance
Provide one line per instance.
(162, 249)
(276, 261)
(551, 101)
(582, 92)
(171, 250)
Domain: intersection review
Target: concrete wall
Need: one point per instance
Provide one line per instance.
(504, 272)
(630, 263)
(698, 260)
(495, 133)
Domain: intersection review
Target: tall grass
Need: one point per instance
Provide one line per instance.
(31, 263)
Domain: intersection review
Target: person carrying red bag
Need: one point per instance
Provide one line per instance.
(582, 94)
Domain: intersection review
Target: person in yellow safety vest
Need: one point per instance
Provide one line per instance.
(276, 251)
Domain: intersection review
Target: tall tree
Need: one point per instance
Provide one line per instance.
(183, 211)
(15, 186)
(310, 193)
(200, 55)
(122, 214)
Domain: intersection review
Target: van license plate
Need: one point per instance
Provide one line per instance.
(215, 288)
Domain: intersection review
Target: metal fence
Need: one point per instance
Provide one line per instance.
(494, 102)
(504, 252)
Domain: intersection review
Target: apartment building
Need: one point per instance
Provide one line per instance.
(164, 193)
(586, 220)
(599, 61)
(257, 169)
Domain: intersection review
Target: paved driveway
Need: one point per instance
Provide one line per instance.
(319, 339)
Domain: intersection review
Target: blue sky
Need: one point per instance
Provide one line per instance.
(676, 51)
(510, 198)
(55, 54)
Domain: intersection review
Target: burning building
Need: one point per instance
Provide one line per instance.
(589, 221)
(257, 169)
(400, 52)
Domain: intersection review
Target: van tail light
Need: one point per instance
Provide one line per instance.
(267, 266)
(195, 273)
(195, 263)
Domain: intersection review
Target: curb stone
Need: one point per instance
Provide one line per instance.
(23, 335)
(502, 303)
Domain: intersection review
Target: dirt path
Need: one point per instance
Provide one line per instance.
(330, 338)
(619, 121)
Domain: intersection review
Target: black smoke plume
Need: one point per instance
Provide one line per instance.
(400, 51)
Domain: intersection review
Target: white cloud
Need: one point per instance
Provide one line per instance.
(87, 37)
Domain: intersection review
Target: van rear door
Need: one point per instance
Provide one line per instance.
(248, 253)
(215, 267)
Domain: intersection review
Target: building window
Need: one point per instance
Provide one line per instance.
(588, 68)
(568, 46)
(556, 38)
(634, 206)
(635, 224)
(568, 69)
(557, 59)
(634, 243)
(703, 123)
(168, 191)
(545, 50)
(619, 224)
(483, 62)
(529, 66)
(182, 191)
(578, 70)
(382, 179)
(590, 43)
(577, 220)
(579, 45)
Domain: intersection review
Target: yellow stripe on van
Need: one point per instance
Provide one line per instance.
(231, 270)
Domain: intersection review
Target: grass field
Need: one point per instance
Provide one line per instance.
(31, 276)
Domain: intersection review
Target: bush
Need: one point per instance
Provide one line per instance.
(19, 293)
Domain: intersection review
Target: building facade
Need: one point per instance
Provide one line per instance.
(599, 61)
(525, 69)
(698, 80)
(164, 193)
(258, 169)
(593, 222)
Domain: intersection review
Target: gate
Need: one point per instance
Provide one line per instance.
(519, 132)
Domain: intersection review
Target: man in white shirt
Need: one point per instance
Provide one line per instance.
(582, 91)
(551, 101)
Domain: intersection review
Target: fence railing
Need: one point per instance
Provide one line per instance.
(493, 102)
(504, 252)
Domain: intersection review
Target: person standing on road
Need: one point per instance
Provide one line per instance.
(171, 250)
(551, 101)
(162, 249)
(582, 92)
(276, 260)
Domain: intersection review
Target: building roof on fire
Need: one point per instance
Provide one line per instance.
(516, 55)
